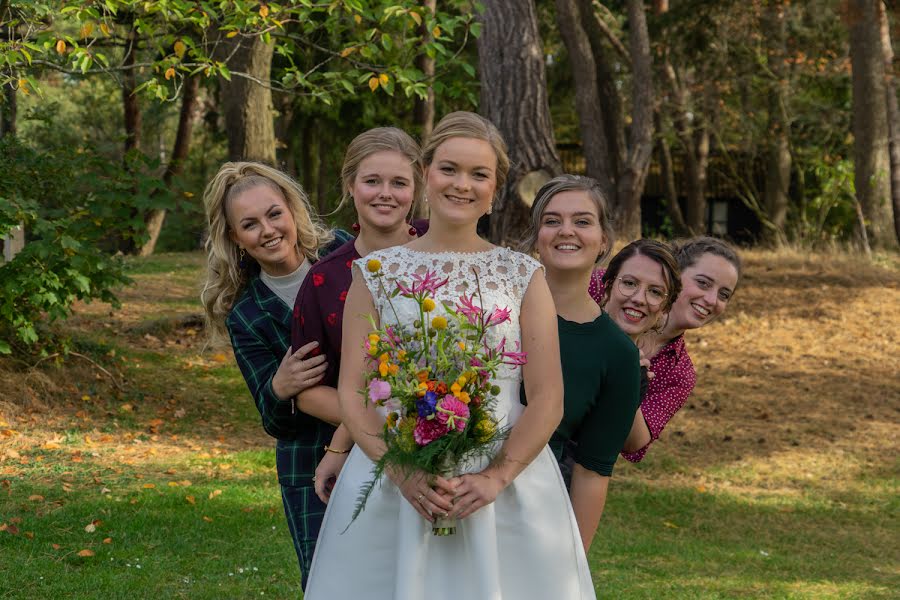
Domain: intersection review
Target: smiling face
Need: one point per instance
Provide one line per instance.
(461, 180)
(259, 222)
(383, 190)
(570, 236)
(637, 295)
(707, 287)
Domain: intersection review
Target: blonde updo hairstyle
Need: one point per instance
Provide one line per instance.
(225, 277)
(464, 124)
(382, 139)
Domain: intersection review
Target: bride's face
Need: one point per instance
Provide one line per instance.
(461, 180)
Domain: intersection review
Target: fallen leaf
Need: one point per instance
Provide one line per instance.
(29, 535)
(13, 529)
(207, 519)
(51, 446)
(670, 525)
(701, 488)
(156, 422)
(149, 486)
(107, 540)
(36, 498)
(179, 413)
(190, 500)
(85, 397)
(170, 471)
(220, 357)
(3, 526)
(55, 546)
(85, 552)
(90, 528)
(126, 408)
(214, 493)
(173, 484)
(185, 483)
(247, 509)
(15, 520)
(10, 433)
(105, 490)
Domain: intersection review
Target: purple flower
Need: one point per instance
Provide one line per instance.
(453, 413)
(499, 315)
(379, 390)
(425, 405)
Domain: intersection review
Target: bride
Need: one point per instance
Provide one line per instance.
(516, 537)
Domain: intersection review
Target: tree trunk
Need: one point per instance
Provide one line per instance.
(631, 180)
(423, 111)
(155, 218)
(893, 114)
(667, 171)
(511, 57)
(587, 96)
(130, 107)
(694, 139)
(870, 122)
(8, 111)
(247, 103)
(778, 159)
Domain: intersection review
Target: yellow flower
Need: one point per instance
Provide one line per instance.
(462, 346)
(422, 375)
(455, 388)
(384, 357)
(373, 338)
(464, 397)
(393, 369)
(392, 420)
(373, 265)
(484, 430)
(439, 322)
(428, 305)
(373, 349)
(401, 355)
(383, 369)
(422, 389)
(462, 380)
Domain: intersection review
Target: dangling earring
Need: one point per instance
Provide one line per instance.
(413, 230)
(355, 227)
(490, 208)
(241, 259)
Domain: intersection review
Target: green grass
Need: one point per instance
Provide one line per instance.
(755, 528)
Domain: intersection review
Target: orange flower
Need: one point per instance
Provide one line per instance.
(422, 375)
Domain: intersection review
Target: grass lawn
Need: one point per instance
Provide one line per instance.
(779, 479)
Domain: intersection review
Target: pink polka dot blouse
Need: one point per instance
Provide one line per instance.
(673, 380)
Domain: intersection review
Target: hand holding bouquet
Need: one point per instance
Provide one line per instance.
(433, 378)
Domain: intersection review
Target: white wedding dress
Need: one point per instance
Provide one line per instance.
(524, 546)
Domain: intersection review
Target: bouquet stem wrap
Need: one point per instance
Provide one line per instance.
(444, 526)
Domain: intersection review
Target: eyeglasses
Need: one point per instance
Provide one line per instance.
(628, 286)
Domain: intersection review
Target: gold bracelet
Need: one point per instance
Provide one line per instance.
(329, 449)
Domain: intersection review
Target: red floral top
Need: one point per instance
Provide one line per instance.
(673, 380)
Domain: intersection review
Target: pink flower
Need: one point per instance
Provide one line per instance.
(379, 390)
(453, 413)
(511, 358)
(423, 283)
(467, 307)
(428, 430)
(499, 315)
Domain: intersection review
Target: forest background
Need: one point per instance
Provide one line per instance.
(773, 123)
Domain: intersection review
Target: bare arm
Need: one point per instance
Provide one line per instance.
(321, 402)
(588, 495)
(544, 390)
(639, 436)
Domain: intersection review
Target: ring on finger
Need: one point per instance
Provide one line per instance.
(420, 497)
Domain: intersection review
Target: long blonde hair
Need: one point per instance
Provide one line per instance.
(225, 278)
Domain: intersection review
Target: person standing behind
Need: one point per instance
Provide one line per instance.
(262, 241)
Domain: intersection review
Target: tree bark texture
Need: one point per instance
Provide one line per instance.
(511, 59)
(667, 171)
(8, 111)
(130, 106)
(423, 109)
(893, 114)
(630, 185)
(778, 152)
(186, 119)
(248, 104)
(870, 124)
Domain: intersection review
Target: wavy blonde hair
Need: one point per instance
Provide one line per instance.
(225, 279)
(464, 124)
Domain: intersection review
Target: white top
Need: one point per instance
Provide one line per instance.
(286, 286)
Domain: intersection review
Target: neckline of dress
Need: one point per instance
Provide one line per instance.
(450, 252)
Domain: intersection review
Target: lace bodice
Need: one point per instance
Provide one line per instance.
(503, 278)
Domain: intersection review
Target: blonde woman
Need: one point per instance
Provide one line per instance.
(516, 536)
(262, 241)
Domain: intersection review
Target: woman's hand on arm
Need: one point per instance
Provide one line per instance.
(543, 388)
(588, 495)
(297, 373)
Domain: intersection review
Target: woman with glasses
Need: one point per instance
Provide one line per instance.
(572, 233)
(710, 270)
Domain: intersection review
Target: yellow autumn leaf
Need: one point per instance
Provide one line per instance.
(149, 486)
(436, 32)
(23, 87)
(51, 446)
(85, 397)
(220, 357)
(373, 83)
(207, 519)
(185, 483)
(170, 73)
(416, 17)
(670, 525)
(36, 498)
(264, 11)
(190, 500)
(347, 52)
(358, 19)
(90, 528)
(87, 29)
(60, 47)
(231, 34)
(107, 540)
(85, 552)
(214, 493)
(180, 49)
(173, 484)
(383, 79)
(104, 28)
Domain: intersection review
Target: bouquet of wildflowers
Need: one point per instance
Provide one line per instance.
(434, 378)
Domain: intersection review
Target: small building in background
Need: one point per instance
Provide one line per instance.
(12, 243)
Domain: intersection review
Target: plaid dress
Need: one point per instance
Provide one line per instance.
(260, 329)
